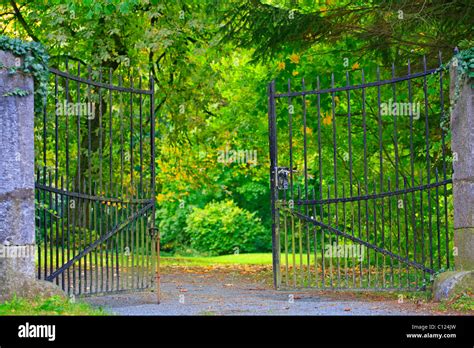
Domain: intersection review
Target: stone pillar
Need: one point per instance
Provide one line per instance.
(17, 206)
(448, 284)
(462, 144)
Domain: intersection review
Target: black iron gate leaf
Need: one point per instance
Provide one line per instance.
(360, 177)
(95, 182)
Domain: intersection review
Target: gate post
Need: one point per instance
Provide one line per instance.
(273, 185)
(462, 144)
(17, 205)
(448, 284)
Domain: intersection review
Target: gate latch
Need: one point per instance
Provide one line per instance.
(281, 176)
(153, 232)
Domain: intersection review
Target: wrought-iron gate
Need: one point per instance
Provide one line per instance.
(360, 178)
(95, 205)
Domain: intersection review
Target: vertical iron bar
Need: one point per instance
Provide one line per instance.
(100, 134)
(412, 171)
(109, 279)
(290, 139)
(98, 251)
(89, 134)
(141, 138)
(376, 280)
(320, 171)
(77, 183)
(56, 227)
(100, 214)
(75, 206)
(285, 214)
(293, 248)
(149, 248)
(305, 159)
(128, 248)
(111, 177)
(133, 251)
(364, 122)
(38, 208)
(86, 230)
(98, 205)
(407, 251)
(334, 144)
(292, 198)
(361, 274)
(331, 256)
(428, 162)
(443, 144)
(64, 275)
(121, 137)
(381, 171)
(130, 77)
(121, 265)
(56, 171)
(44, 192)
(152, 163)
(389, 188)
(315, 241)
(300, 242)
(422, 219)
(349, 135)
(344, 230)
(92, 231)
(50, 234)
(438, 219)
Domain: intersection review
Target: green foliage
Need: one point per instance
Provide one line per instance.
(463, 62)
(384, 30)
(464, 302)
(18, 92)
(224, 228)
(35, 62)
(211, 61)
(172, 225)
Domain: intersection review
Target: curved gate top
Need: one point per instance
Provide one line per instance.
(95, 181)
(360, 176)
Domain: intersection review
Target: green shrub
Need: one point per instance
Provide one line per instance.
(224, 228)
(172, 224)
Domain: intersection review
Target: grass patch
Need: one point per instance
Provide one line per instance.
(236, 259)
(54, 305)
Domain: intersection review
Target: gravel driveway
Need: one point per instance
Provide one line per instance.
(187, 292)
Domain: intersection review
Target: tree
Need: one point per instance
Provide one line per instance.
(387, 31)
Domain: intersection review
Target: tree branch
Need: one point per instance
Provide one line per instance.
(22, 21)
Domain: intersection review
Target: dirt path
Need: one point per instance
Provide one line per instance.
(227, 291)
